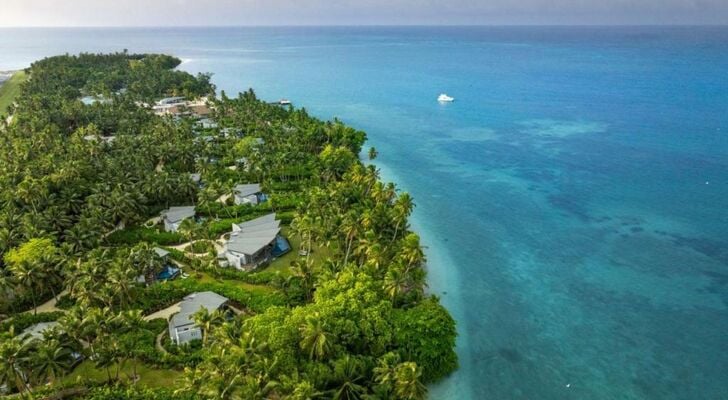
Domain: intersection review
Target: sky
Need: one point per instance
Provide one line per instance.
(359, 12)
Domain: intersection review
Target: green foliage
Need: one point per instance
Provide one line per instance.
(201, 247)
(350, 321)
(157, 297)
(426, 335)
(34, 251)
(20, 322)
(133, 393)
(131, 236)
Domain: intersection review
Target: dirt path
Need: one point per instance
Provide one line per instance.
(50, 305)
(165, 313)
(158, 342)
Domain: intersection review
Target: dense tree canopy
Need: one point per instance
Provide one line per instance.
(80, 185)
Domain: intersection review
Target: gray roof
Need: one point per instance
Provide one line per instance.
(196, 178)
(192, 303)
(247, 190)
(176, 214)
(161, 252)
(254, 235)
(170, 100)
(260, 221)
(36, 331)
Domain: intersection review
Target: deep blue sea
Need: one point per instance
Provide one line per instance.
(573, 199)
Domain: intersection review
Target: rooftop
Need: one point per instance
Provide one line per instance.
(176, 214)
(192, 303)
(251, 236)
(247, 190)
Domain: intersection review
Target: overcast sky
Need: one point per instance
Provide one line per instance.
(357, 12)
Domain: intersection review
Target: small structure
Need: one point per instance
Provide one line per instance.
(91, 100)
(248, 194)
(167, 273)
(174, 216)
(196, 179)
(254, 243)
(94, 138)
(182, 327)
(206, 123)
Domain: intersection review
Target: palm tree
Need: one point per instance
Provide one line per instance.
(403, 207)
(14, 363)
(134, 322)
(29, 275)
(51, 360)
(316, 340)
(305, 390)
(411, 251)
(407, 382)
(7, 286)
(207, 320)
(305, 274)
(384, 372)
(395, 282)
(348, 375)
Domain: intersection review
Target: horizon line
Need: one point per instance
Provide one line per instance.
(357, 26)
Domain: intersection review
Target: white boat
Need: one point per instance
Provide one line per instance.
(284, 102)
(443, 98)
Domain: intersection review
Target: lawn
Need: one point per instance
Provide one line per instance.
(9, 90)
(283, 264)
(150, 377)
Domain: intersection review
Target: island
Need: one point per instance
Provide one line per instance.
(159, 239)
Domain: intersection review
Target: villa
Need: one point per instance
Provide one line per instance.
(182, 327)
(254, 243)
(248, 194)
(173, 217)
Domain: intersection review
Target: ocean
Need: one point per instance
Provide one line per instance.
(573, 199)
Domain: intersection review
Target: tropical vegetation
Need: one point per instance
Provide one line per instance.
(347, 317)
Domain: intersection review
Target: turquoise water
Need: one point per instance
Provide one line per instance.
(573, 198)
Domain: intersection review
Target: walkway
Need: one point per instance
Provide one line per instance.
(50, 305)
(165, 313)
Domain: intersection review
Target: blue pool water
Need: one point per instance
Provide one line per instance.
(574, 197)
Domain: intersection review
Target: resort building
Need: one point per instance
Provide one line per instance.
(248, 194)
(182, 327)
(177, 106)
(173, 217)
(254, 243)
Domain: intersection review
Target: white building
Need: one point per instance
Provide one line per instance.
(248, 194)
(182, 327)
(173, 217)
(253, 243)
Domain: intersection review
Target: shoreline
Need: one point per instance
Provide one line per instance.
(443, 283)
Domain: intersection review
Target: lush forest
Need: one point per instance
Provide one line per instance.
(345, 315)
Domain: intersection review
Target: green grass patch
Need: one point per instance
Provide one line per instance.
(9, 90)
(148, 376)
(318, 255)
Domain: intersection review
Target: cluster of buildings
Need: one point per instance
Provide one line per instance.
(178, 106)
